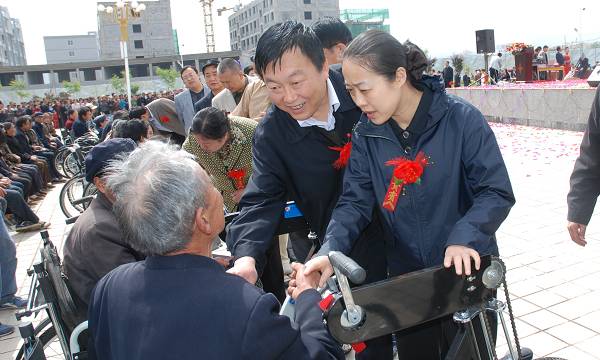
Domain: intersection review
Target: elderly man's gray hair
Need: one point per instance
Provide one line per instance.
(229, 64)
(158, 190)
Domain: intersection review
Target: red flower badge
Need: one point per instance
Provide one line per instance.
(237, 175)
(164, 119)
(405, 172)
(345, 151)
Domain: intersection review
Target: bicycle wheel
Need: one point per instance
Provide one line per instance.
(45, 332)
(71, 165)
(58, 161)
(71, 191)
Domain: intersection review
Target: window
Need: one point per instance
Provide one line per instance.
(137, 28)
(272, 17)
(306, 2)
(139, 57)
(307, 15)
(69, 42)
(138, 44)
(71, 53)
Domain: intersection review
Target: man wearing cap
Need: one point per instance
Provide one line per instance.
(95, 244)
(81, 125)
(209, 70)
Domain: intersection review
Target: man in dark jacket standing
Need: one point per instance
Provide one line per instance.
(448, 74)
(293, 152)
(585, 179)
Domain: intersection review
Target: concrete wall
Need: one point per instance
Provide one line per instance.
(156, 32)
(566, 109)
(75, 48)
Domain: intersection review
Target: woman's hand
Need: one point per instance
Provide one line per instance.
(322, 265)
(461, 256)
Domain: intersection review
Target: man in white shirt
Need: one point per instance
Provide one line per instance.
(495, 67)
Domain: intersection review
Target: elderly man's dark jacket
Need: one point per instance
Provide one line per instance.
(188, 307)
(94, 247)
(296, 163)
(19, 144)
(585, 179)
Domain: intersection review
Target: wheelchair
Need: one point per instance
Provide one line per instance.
(50, 293)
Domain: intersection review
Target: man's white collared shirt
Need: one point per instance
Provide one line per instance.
(334, 104)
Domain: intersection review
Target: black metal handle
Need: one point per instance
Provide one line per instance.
(71, 220)
(83, 200)
(348, 267)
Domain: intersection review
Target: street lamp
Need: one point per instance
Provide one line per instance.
(123, 10)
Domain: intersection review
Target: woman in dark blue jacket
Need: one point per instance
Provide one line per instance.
(428, 162)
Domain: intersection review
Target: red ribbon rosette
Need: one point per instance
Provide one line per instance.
(237, 175)
(406, 172)
(164, 119)
(344, 151)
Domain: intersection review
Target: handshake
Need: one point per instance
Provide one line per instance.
(303, 277)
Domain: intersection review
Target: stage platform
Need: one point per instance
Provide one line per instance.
(556, 105)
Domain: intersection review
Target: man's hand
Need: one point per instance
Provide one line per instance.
(2, 192)
(301, 281)
(245, 267)
(577, 232)
(321, 266)
(33, 158)
(5, 182)
(237, 195)
(461, 256)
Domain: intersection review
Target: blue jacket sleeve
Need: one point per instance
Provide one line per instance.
(273, 337)
(487, 182)
(354, 209)
(262, 204)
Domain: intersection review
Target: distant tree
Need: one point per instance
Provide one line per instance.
(19, 87)
(457, 63)
(168, 76)
(135, 88)
(118, 83)
(73, 88)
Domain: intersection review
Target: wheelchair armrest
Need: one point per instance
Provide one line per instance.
(73, 342)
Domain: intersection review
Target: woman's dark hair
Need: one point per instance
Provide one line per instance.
(283, 37)
(381, 53)
(132, 129)
(121, 114)
(71, 111)
(7, 126)
(211, 123)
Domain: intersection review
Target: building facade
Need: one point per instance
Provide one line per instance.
(71, 48)
(249, 22)
(150, 34)
(12, 49)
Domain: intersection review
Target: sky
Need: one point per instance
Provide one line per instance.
(443, 28)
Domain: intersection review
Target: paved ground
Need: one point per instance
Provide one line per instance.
(554, 284)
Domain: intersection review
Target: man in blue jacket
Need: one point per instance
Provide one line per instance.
(294, 156)
(179, 303)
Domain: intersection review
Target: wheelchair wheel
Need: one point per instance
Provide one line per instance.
(73, 190)
(44, 332)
